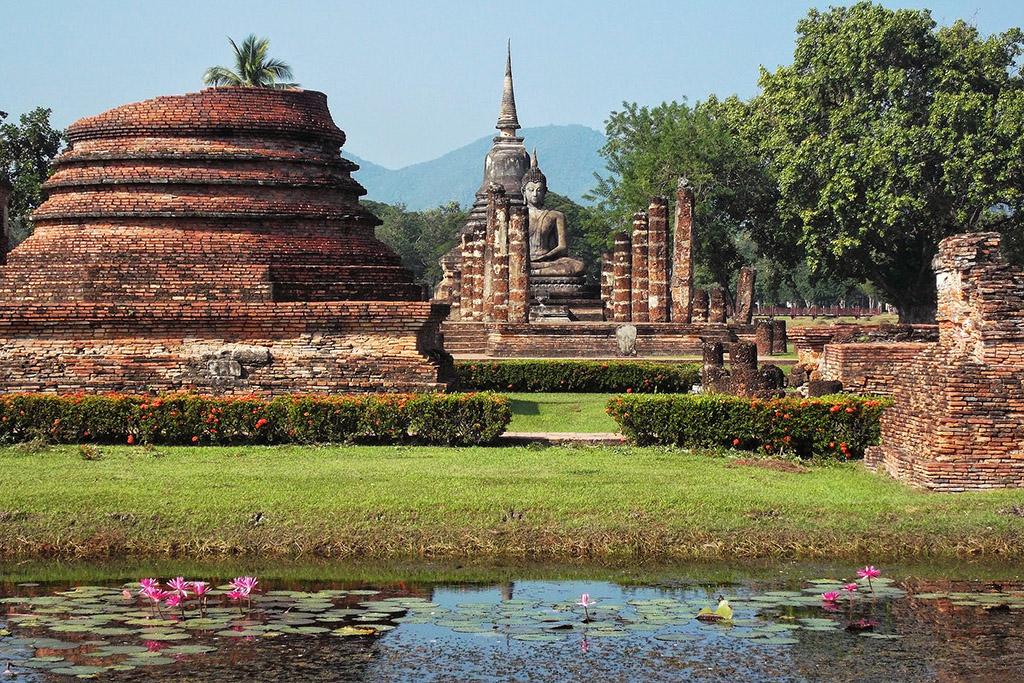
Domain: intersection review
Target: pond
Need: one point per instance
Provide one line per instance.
(897, 627)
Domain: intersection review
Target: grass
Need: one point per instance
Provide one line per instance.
(600, 504)
(560, 413)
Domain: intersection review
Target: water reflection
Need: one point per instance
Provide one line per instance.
(527, 630)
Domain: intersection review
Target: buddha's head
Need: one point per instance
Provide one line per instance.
(534, 184)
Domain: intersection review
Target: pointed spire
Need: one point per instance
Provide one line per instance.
(534, 166)
(508, 122)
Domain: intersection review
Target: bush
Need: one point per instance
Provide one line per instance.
(192, 419)
(839, 426)
(578, 376)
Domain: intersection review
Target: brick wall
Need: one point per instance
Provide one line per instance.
(956, 420)
(214, 220)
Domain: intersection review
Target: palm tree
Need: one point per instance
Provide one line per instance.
(252, 68)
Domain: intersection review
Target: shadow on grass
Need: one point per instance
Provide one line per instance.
(525, 407)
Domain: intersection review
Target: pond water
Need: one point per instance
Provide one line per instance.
(907, 629)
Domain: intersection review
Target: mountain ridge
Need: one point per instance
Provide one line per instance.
(569, 155)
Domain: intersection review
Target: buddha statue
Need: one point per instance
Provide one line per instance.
(549, 243)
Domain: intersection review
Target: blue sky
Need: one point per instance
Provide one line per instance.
(409, 81)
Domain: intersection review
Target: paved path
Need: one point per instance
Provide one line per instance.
(551, 438)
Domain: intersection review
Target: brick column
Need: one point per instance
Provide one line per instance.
(479, 239)
(639, 269)
(490, 227)
(745, 296)
(467, 281)
(622, 281)
(658, 259)
(780, 341)
(518, 265)
(716, 305)
(496, 256)
(764, 333)
(607, 279)
(699, 306)
(682, 255)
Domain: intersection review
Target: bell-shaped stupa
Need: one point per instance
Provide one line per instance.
(214, 241)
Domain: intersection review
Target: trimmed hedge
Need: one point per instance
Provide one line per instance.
(839, 426)
(580, 376)
(191, 419)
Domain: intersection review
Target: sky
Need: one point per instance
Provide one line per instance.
(409, 81)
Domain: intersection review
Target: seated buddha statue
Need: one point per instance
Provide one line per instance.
(548, 241)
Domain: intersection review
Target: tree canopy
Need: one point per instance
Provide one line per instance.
(887, 135)
(252, 67)
(26, 150)
(648, 149)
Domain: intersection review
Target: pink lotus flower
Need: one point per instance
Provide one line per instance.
(148, 583)
(179, 585)
(200, 588)
(247, 584)
(869, 573)
(155, 593)
(850, 587)
(237, 594)
(584, 603)
(830, 596)
(126, 593)
(174, 600)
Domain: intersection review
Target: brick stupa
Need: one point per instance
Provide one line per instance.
(212, 241)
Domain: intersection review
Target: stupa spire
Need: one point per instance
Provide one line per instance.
(508, 122)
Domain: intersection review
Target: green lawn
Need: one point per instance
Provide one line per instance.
(560, 413)
(608, 504)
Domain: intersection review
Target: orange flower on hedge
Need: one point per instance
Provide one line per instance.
(260, 422)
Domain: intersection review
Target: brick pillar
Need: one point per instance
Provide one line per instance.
(716, 305)
(699, 306)
(496, 256)
(479, 239)
(764, 333)
(607, 278)
(490, 227)
(622, 281)
(780, 341)
(745, 296)
(713, 376)
(639, 269)
(658, 259)
(682, 255)
(518, 265)
(743, 367)
(466, 281)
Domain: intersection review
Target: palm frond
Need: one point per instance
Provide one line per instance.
(252, 68)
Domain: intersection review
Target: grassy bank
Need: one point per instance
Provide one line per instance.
(479, 503)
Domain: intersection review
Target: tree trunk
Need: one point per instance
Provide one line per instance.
(916, 308)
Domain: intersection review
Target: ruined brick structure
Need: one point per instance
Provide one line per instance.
(956, 419)
(212, 241)
(645, 291)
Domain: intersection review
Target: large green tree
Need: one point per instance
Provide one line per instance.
(647, 151)
(26, 150)
(420, 238)
(253, 69)
(888, 134)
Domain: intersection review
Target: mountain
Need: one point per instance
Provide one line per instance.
(568, 156)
